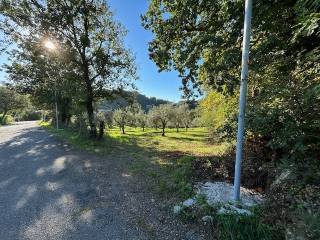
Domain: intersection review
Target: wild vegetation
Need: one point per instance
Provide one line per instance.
(202, 40)
(89, 74)
(14, 106)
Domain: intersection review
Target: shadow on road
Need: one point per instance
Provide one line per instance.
(46, 193)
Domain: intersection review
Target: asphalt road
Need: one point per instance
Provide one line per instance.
(45, 192)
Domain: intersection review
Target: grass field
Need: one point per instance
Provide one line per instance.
(166, 166)
(167, 161)
(191, 142)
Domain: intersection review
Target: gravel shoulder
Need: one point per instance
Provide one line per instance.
(48, 190)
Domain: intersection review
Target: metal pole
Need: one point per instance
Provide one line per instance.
(243, 93)
(56, 103)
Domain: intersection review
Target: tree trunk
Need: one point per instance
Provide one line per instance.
(142, 129)
(163, 127)
(123, 130)
(68, 120)
(177, 129)
(101, 130)
(64, 110)
(92, 124)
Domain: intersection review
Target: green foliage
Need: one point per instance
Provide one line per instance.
(30, 116)
(182, 116)
(147, 102)
(122, 117)
(94, 60)
(10, 101)
(245, 228)
(162, 115)
(231, 226)
(218, 112)
(309, 226)
(293, 203)
(166, 161)
(141, 119)
(7, 120)
(202, 41)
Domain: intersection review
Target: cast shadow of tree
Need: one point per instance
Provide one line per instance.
(47, 190)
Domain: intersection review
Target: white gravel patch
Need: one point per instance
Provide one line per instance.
(222, 192)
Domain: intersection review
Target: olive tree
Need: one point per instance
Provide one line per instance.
(142, 119)
(177, 117)
(181, 116)
(153, 120)
(163, 114)
(134, 110)
(187, 115)
(121, 117)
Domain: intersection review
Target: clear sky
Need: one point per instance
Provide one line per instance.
(163, 85)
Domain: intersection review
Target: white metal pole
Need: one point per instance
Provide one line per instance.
(56, 103)
(243, 93)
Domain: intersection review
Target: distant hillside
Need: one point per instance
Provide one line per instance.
(192, 103)
(145, 102)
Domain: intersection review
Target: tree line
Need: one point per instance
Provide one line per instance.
(162, 116)
(67, 52)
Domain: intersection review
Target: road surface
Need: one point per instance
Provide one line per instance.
(46, 193)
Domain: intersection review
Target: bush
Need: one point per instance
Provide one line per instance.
(31, 116)
(7, 120)
(218, 112)
(293, 203)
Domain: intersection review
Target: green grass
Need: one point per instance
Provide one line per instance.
(165, 161)
(194, 141)
(166, 165)
(245, 228)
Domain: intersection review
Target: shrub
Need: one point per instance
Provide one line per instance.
(31, 116)
(218, 112)
(7, 120)
(293, 204)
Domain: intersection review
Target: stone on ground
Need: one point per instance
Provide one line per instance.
(222, 192)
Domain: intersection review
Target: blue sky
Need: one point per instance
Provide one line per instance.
(163, 85)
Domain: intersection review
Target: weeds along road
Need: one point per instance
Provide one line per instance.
(46, 192)
(49, 190)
